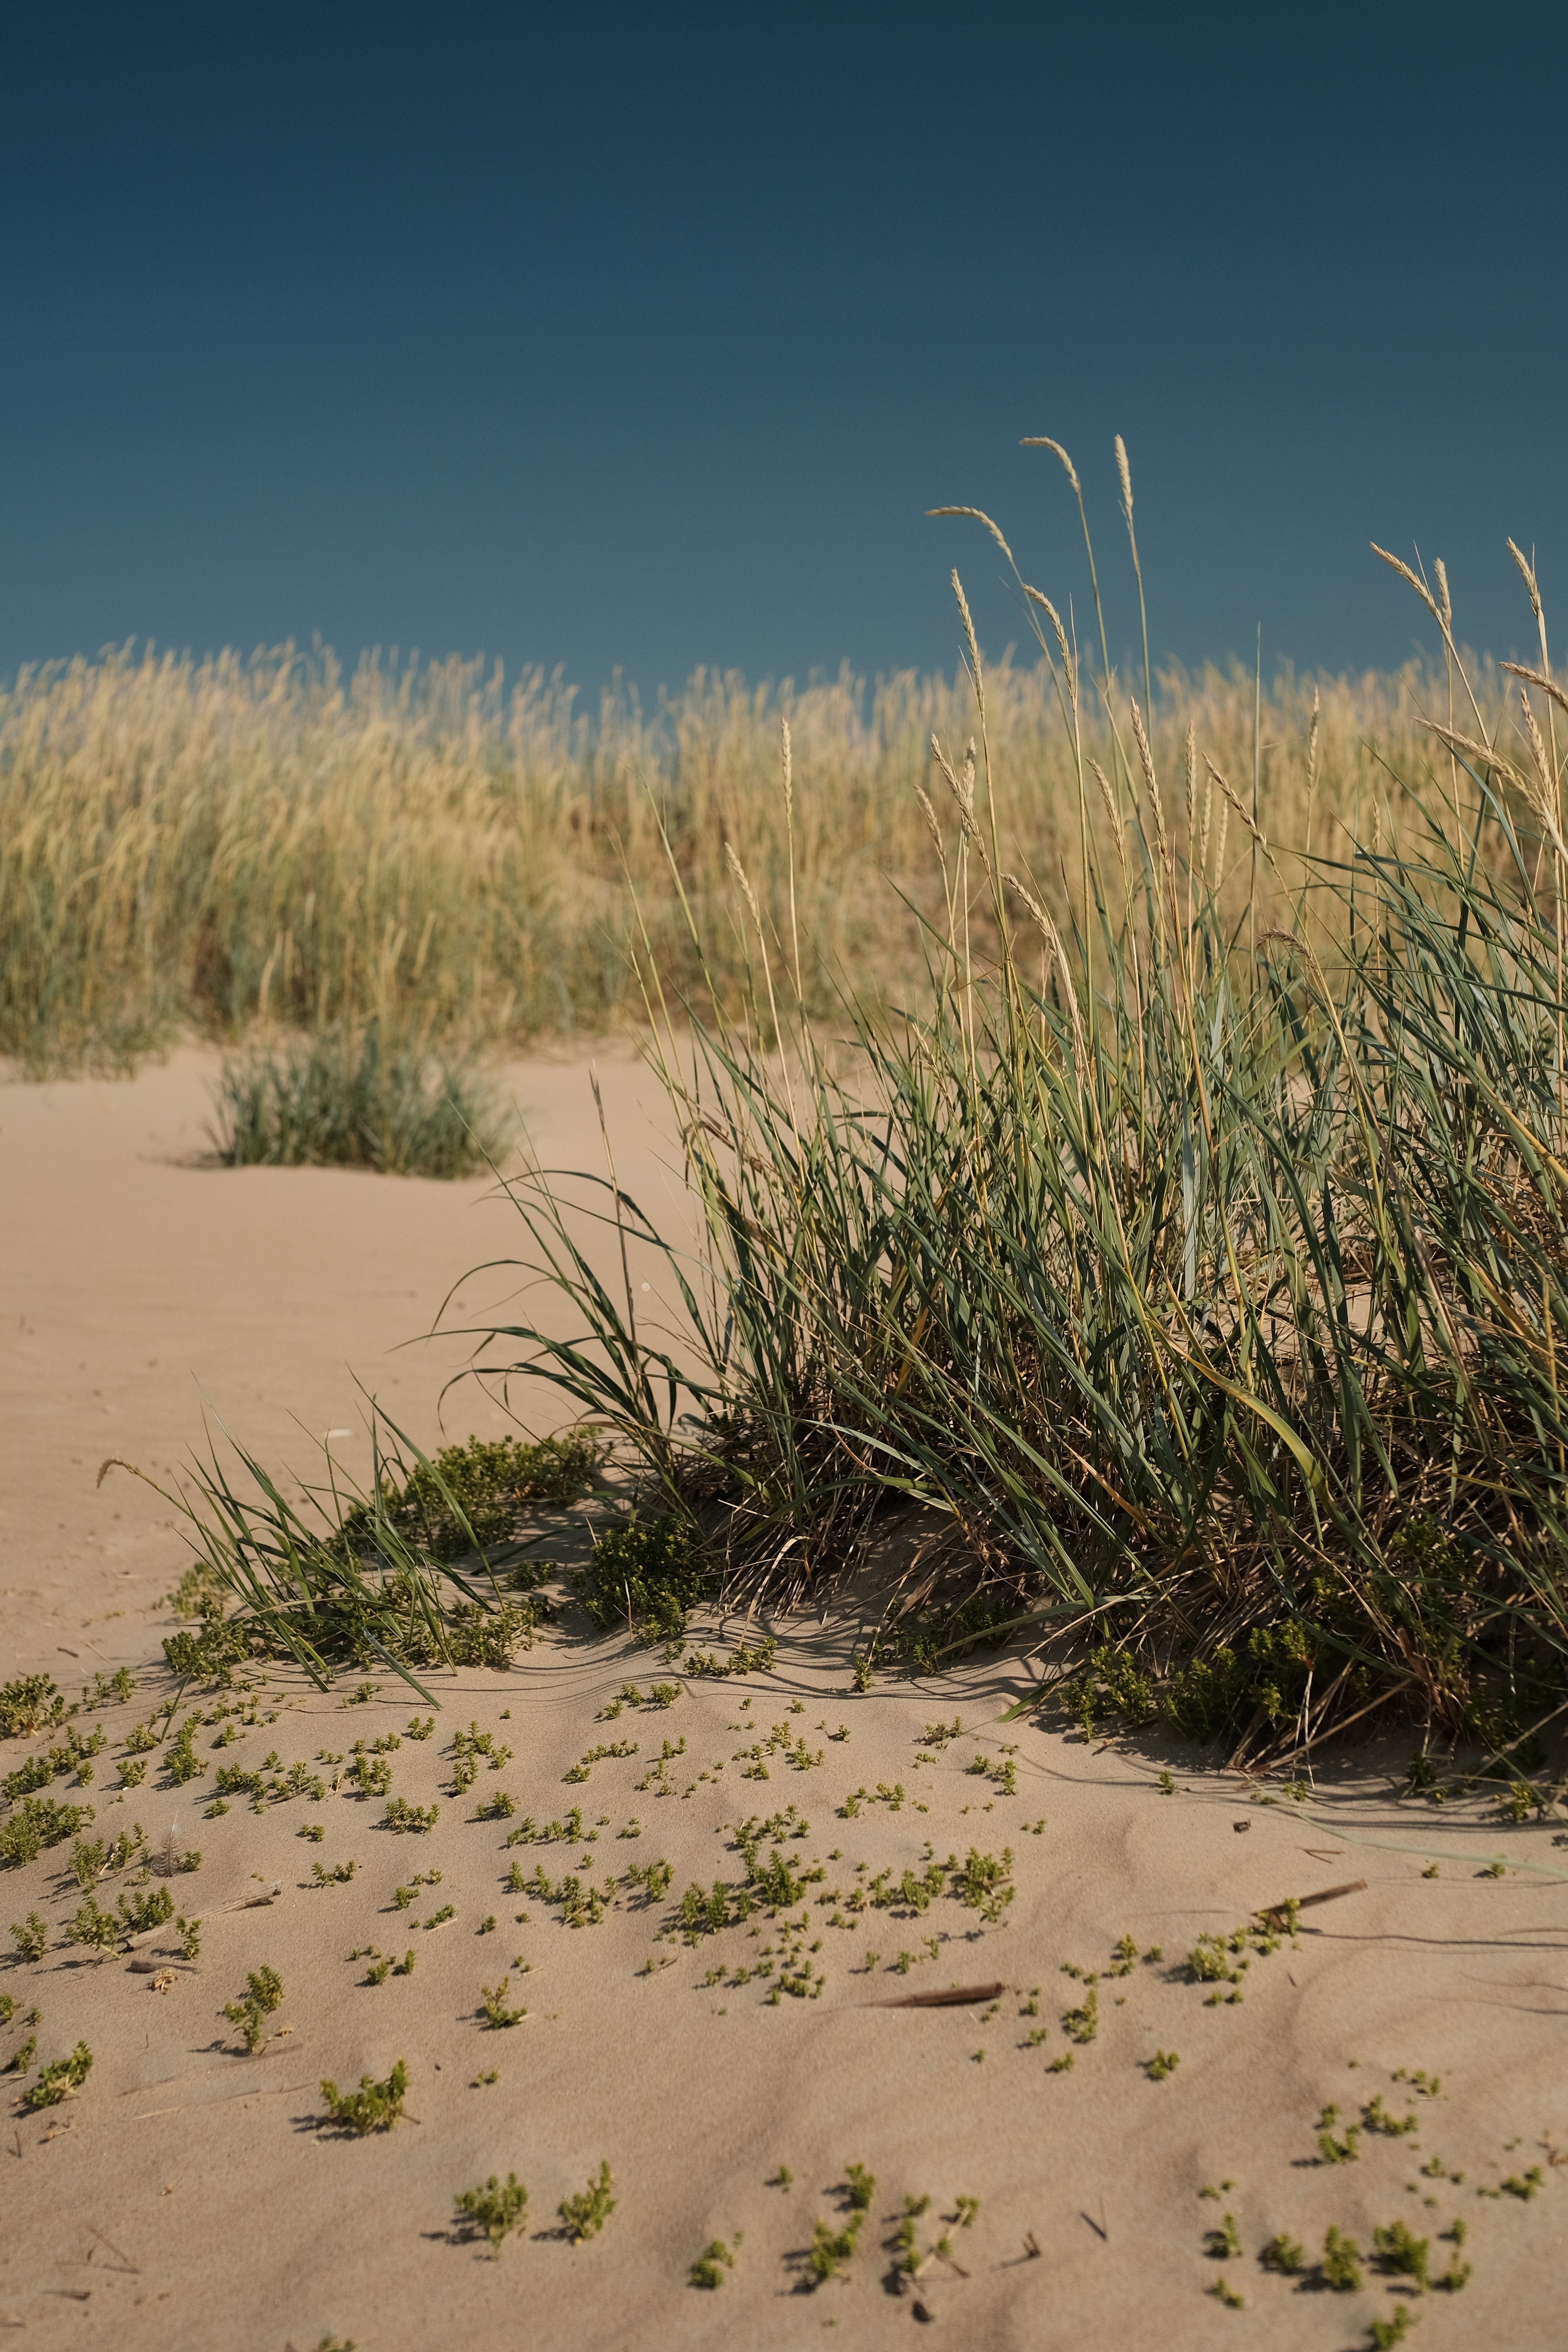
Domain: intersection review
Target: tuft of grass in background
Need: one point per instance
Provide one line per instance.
(371, 1099)
(230, 843)
(1200, 1270)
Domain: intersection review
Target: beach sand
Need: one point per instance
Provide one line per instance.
(190, 2195)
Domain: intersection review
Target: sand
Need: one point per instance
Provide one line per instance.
(190, 2195)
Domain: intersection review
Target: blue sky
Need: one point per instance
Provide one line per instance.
(643, 337)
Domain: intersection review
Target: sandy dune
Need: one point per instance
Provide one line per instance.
(190, 2195)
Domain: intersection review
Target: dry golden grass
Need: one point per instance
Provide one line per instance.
(230, 843)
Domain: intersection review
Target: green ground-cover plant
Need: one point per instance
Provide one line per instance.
(585, 2213)
(346, 1578)
(35, 1823)
(644, 1574)
(1203, 1274)
(716, 2258)
(31, 1704)
(495, 2210)
(262, 1996)
(59, 2079)
(375, 2106)
(375, 1097)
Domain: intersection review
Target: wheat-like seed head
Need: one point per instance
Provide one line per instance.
(1537, 747)
(932, 826)
(1209, 812)
(976, 514)
(1146, 761)
(969, 639)
(1125, 471)
(1414, 579)
(1192, 780)
(1111, 810)
(962, 788)
(1043, 441)
(1440, 571)
(1037, 596)
(1043, 922)
(1312, 746)
(1537, 678)
(1218, 875)
(787, 752)
(1527, 574)
(739, 871)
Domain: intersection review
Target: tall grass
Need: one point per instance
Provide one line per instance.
(1199, 1264)
(229, 843)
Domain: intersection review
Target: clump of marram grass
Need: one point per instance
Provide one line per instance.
(1204, 1277)
(366, 1099)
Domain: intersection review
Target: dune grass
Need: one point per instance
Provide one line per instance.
(370, 1099)
(241, 846)
(1198, 1270)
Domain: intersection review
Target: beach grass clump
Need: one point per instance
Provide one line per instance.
(1195, 1246)
(371, 1099)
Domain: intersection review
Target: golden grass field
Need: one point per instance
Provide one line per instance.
(210, 846)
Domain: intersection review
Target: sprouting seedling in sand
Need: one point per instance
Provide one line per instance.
(59, 2079)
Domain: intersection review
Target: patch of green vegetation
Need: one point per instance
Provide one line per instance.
(403, 1817)
(1286, 2255)
(1341, 2265)
(644, 1573)
(339, 1875)
(1223, 2292)
(350, 1098)
(831, 2250)
(1383, 2333)
(586, 2214)
(496, 2014)
(716, 2258)
(982, 1884)
(1163, 2064)
(493, 2210)
(31, 1936)
(375, 2106)
(1333, 2149)
(36, 1822)
(59, 2079)
(474, 1496)
(263, 1994)
(31, 1704)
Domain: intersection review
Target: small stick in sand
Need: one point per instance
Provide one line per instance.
(1274, 1915)
(955, 1997)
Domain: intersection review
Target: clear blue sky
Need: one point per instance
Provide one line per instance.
(643, 335)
